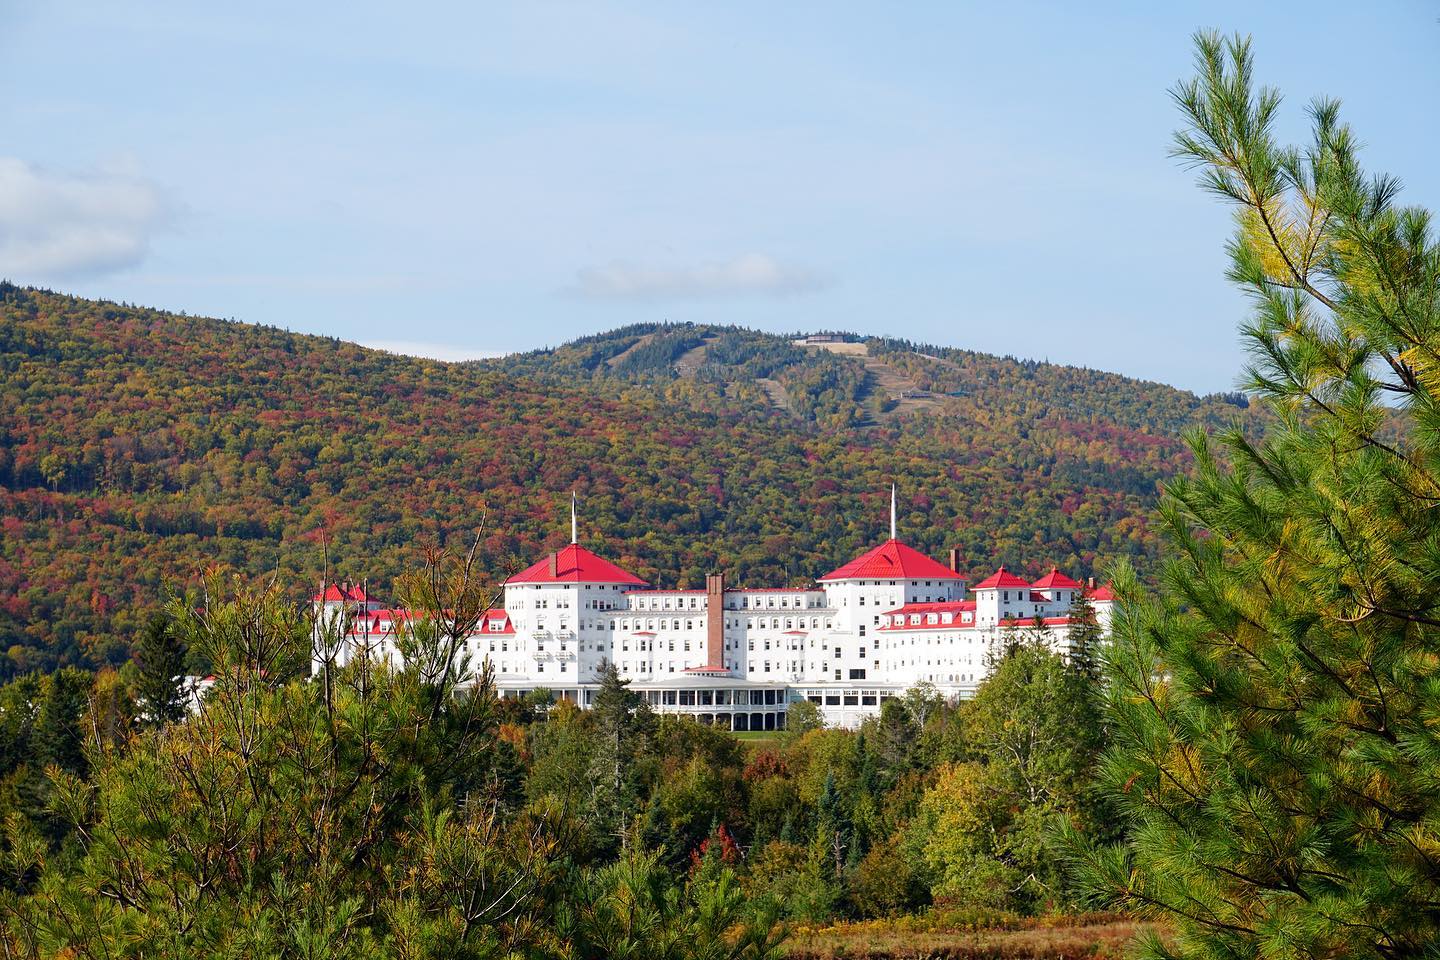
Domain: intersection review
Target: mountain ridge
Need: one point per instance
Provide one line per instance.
(139, 446)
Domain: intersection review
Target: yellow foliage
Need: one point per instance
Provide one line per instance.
(1289, 237)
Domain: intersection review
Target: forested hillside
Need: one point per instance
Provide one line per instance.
(138, 446)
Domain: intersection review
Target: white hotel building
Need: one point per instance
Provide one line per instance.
(736, 656)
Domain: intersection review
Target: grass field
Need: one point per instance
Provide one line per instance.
(756, 736)
(1097, 936)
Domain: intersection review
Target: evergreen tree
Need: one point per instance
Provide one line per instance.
(832, 831)
(894, 735)
(1275, 706)
(160, 656)
(1084, 639)
(58, 738)
(20, 702)
(622, 722)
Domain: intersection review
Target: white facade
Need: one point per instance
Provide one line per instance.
(869, 631)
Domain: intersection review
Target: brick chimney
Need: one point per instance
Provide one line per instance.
(554, 565)
(954, 559)
(715, 621)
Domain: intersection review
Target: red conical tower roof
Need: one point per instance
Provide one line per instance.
(1055, 579)
(1001, 578)
(893, 560)
(575, 564)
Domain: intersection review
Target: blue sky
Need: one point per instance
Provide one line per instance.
(476, 178)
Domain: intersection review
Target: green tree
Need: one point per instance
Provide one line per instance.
(923, 701)
(287, 818)
(58, 737)
(802, 716)
(160, 657)
(1274, 706)
(623, 722)
(635, 909)
(994, 823)
(20, 702)
(892, 738)
(959, 836)
(1084, 639)
(561, 748)
(886, 882)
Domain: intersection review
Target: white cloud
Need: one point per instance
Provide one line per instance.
(55, 224)
(753, 274)
(433, 351)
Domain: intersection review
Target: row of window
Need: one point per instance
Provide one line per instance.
(743, 602)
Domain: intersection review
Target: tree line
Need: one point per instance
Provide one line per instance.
(364, 811)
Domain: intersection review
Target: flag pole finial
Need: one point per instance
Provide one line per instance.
(574, 524)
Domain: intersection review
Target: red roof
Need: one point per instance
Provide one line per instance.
(575, 564)
(958, 609)
(1102, 593)
(335, 593)
(495, 620)
(941, 606)
(1055, 580)
(892, 560)
(1001, 578)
